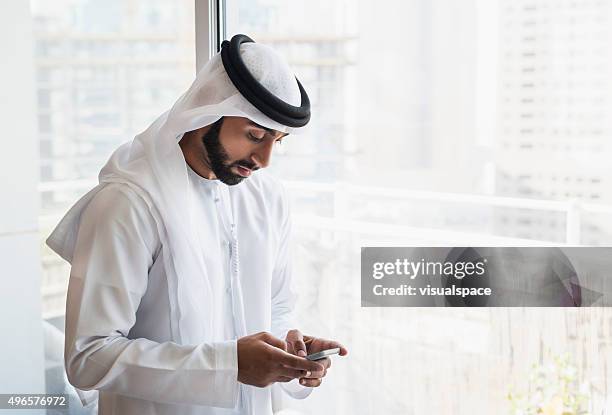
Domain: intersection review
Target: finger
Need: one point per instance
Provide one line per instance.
(316, 375)
(332, 344)
(274, 341)
(313, 383)
(300, 363)
(326, 362)
(292, 373)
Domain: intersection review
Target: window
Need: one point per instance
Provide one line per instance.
(105, 70)
(437, 123)
(444, 106)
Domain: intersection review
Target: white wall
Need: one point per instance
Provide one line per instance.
(21, 348)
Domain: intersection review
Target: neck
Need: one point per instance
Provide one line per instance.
(195, 155)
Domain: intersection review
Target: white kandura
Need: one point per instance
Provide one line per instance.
(161, 283)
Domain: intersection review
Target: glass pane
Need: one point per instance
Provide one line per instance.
(104, 72)
(465, 113)
(442, 123)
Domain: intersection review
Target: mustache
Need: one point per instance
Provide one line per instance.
(246, 164)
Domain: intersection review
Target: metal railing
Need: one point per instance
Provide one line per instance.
(573, 210)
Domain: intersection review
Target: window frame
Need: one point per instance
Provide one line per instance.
(210, 29)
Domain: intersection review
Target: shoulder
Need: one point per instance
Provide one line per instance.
(116, 200)
(119, 209)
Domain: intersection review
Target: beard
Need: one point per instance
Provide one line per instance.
(219, 160)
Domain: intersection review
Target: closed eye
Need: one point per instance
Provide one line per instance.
(254, 139)
(259, 140)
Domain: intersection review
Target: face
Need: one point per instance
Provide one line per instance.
(236, 147)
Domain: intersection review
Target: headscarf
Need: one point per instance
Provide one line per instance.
(153, 166)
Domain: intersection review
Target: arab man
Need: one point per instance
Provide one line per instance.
(180, 298)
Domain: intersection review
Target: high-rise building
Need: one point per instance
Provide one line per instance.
(553, 138)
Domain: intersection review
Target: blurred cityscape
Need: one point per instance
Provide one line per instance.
(418, 138)
(553, 111)
(105, 71)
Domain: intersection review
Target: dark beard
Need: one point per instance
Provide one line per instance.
(218, 159)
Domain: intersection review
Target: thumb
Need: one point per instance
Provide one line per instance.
(297, 342)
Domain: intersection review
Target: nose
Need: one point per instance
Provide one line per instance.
(262, 156)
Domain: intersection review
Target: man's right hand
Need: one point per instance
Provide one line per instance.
(263, 360)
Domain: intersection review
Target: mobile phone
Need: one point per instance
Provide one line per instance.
(323, 354)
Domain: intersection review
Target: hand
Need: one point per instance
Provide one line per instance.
(302, 345)
(263, 360)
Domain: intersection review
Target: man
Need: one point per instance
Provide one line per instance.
(180, 299)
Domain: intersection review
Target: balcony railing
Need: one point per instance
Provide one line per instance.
(573, 210)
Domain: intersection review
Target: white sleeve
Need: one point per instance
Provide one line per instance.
(284, 297)
(116, 244)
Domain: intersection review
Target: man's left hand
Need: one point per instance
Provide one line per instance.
(302, 345)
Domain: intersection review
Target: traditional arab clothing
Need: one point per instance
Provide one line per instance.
(169, 269)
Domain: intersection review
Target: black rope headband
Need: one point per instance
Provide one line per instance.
(256, 93)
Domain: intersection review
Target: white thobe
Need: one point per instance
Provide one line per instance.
(118, 320)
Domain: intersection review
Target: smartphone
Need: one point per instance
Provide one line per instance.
(323, 354)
